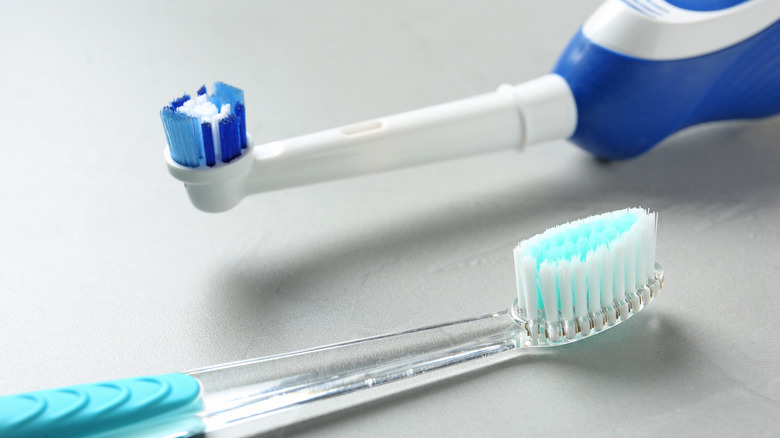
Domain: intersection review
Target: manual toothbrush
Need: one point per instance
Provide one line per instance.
(573, 281)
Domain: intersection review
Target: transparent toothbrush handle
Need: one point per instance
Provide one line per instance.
(263, 394)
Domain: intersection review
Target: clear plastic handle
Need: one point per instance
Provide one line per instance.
(302, 385)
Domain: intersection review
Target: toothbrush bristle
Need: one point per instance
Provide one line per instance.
(208, 143)
(184, 136)
(208, 128)
(590, 269)
(226, 94)
(241, 114)
(229, 138)
(180, 101)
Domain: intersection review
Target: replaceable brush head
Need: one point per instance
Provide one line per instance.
(577, 279)
(206, 130)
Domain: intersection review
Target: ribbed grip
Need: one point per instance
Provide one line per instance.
(96, 408)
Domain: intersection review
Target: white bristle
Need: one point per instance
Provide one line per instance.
(630, 261)
(594, 282)
(564, 273)
(199, 107)
(223, 112)
(641, 254)
(549, 291)
(528, 277)
(580, 288)
(606, 274)
(618, 252)
(519, 278)
(585, 266)
(653, 240)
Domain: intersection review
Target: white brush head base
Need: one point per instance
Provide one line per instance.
(214, 189)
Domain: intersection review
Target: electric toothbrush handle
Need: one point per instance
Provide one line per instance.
(641, 71)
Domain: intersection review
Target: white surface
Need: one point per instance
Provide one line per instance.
(108, 271)
(654, 29)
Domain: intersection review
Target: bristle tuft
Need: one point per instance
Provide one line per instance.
(241, 114)
(208, 143)
(180, 101)
(228, 138)
(184, 137)
(226, 94)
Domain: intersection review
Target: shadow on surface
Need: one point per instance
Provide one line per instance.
(721, 163)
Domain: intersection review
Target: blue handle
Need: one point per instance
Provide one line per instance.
(707, 5)
(100, 408)
(627, 105)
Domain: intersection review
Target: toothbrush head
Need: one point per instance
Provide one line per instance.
(208, 130)
(582, 277)
(208, 145)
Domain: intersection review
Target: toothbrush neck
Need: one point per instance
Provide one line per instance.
(511, 117)
(297, 386)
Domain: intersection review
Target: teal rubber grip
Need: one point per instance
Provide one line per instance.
(95, 409)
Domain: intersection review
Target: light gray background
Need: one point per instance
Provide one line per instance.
(107, 271)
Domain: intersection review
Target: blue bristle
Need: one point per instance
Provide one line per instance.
(180, 101)
(208, 143)
(224, 93)
(241, 114)
(185, 139)
(192, 142)
(228, 138)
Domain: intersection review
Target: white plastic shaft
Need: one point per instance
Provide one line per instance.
(511, 117)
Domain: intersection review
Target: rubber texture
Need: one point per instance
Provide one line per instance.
(96, 408)
(625, 105)
(705, 5)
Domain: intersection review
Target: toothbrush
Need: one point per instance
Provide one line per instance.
(636, 72)
(573, 281)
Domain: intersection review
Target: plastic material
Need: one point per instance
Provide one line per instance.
(657, 30)
(638, 71)
(264, 394)
(705, 5)
(627, 105)
(511, 117)
(101, 408)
